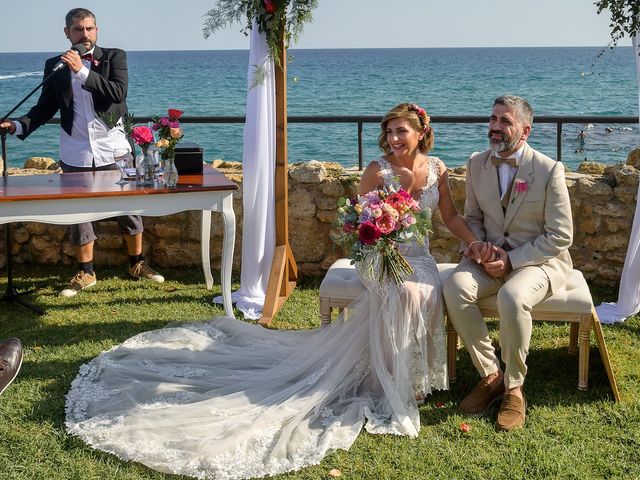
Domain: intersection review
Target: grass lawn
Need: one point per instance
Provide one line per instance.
(569, 433)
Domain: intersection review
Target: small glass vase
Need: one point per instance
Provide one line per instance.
(170, 175)
(146, 165)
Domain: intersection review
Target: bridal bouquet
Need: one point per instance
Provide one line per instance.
(375, 223)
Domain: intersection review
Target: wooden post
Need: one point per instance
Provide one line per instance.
(284, 271)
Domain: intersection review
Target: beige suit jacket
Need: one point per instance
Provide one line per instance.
(537, 223)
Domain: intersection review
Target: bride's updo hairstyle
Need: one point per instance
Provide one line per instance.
(418, 120)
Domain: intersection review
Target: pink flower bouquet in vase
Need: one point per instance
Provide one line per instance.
(169, 134)
(145, 161)
(374, 224)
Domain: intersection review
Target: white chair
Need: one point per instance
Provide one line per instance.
(341, 286)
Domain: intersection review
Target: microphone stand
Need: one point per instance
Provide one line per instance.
(11, 294)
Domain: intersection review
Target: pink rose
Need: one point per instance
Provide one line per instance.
(175, 113)
(368, 233)
(174, 124)
(175, 133)
(142, 135)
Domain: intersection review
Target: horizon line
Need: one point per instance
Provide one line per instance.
(602, 47)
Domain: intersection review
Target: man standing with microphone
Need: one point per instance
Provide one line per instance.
(90, 92)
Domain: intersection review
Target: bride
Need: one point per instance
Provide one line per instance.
(227, 399)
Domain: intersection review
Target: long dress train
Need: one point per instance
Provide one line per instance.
(228, 399)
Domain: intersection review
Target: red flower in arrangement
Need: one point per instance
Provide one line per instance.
(368, 233)
(174, 113)
(269, 6)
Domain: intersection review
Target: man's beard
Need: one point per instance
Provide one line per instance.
(504, 145)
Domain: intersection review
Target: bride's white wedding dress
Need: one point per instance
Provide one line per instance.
(228, 399)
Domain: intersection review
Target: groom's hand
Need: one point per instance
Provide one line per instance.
(480, 252)
(500, 266)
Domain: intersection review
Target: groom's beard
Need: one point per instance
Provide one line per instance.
(505, 143)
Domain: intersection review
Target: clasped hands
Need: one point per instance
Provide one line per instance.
(492, 258)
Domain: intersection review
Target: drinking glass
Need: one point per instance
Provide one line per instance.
(122, 158)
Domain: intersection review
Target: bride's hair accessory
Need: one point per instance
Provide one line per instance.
(422, 116)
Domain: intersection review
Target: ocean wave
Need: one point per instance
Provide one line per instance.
(20, 75)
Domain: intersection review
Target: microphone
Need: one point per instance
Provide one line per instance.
(78, 47)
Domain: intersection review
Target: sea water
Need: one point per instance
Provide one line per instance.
(446, 81)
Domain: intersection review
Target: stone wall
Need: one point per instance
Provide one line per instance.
(603, 204)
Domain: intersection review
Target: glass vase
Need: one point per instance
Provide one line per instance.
(146, 164)
(170, 175)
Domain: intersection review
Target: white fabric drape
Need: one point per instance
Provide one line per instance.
(629, 295)
(258, 167)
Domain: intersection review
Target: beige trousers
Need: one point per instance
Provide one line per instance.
(517, 293)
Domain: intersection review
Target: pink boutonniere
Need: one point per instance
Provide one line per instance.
(521, 186)
(96, 63)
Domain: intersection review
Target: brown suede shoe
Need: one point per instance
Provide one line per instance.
(512, 413)
(481, 398)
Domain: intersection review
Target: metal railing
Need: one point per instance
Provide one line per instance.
(360, 120)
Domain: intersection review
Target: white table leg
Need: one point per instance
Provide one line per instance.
(205, 239)
(228, 242)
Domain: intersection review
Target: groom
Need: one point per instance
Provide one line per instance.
(517, 201)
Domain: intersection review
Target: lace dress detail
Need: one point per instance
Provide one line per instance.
(231, 400)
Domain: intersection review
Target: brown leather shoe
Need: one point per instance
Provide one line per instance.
(481, 397)
(512, 413)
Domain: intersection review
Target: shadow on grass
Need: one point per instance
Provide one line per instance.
(552, 378)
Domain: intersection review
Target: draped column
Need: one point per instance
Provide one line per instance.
(258, 167)
(629, 295)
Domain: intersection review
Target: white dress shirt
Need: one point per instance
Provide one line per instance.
(506, 172)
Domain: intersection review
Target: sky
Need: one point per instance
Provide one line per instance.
(37, 25)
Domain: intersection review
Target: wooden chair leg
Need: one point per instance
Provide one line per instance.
(325, 311)
(584, 334)
(573, 338)
(604, 353)
(452, 347)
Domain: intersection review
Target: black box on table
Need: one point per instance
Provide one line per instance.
(189, 158)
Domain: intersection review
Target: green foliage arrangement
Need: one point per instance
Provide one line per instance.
(275, 18)
(625, 18)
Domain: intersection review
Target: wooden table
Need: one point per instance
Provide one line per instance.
(71, 198)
